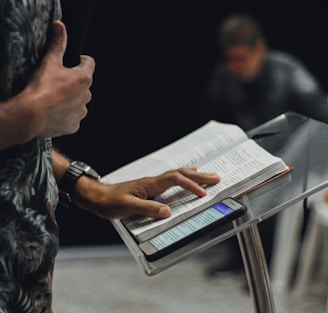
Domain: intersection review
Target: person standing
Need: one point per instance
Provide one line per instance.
(41, 99)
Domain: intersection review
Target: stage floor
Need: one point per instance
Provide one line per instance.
(107, 279)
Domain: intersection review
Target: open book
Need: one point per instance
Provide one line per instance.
(217, 147)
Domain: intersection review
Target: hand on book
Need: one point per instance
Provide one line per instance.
(135, 197)
(218, 147)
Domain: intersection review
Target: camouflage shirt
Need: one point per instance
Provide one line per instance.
(28, 191)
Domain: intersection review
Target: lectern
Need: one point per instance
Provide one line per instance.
(302, 143)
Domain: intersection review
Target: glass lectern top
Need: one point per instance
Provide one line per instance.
(303, 144)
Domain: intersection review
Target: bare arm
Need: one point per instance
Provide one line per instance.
(54, 101)
(132, 197)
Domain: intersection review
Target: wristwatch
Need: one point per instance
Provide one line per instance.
(71, 176)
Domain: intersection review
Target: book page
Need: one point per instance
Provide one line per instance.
(193, 149)
(241, 168)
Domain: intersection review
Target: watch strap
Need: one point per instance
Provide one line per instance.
(68, 181)
(71, 176)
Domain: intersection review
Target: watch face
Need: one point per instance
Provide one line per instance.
(73, 173)
(81, 164)
(87, 169)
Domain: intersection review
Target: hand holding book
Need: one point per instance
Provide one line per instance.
(216, 147)
(137, 196)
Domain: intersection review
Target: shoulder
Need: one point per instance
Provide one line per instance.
(23, 38)
(288, 66)
(283, 59)
(296, 75)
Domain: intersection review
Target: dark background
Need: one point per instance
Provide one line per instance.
(153, 61)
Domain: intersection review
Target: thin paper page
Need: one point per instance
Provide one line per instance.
(240, 164)
(193, 149)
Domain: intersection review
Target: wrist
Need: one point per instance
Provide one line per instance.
(76, 171)
(87, 194)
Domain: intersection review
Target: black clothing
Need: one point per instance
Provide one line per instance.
(284, 85)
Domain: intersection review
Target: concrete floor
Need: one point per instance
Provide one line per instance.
(106, 279)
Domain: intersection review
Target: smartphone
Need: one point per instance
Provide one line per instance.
(190, 229)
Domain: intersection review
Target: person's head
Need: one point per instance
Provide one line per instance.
(243, 46)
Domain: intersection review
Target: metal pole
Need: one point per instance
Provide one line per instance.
(256, 268)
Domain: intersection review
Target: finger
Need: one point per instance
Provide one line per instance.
(151, 208)
(208, 178)
(189, 184)
(191, 180)
(58, 42)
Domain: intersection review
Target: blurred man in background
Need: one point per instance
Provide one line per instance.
(254, 83)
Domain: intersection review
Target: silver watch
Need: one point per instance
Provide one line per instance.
(71, 176)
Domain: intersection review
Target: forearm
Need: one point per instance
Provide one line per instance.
(106, 201)
(132, 197)
(60, 164)
(17, 121)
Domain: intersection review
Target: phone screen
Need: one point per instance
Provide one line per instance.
(205, 220)
(195, 223)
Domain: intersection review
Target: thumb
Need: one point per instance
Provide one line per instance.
(58, 42)
(152, 208)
